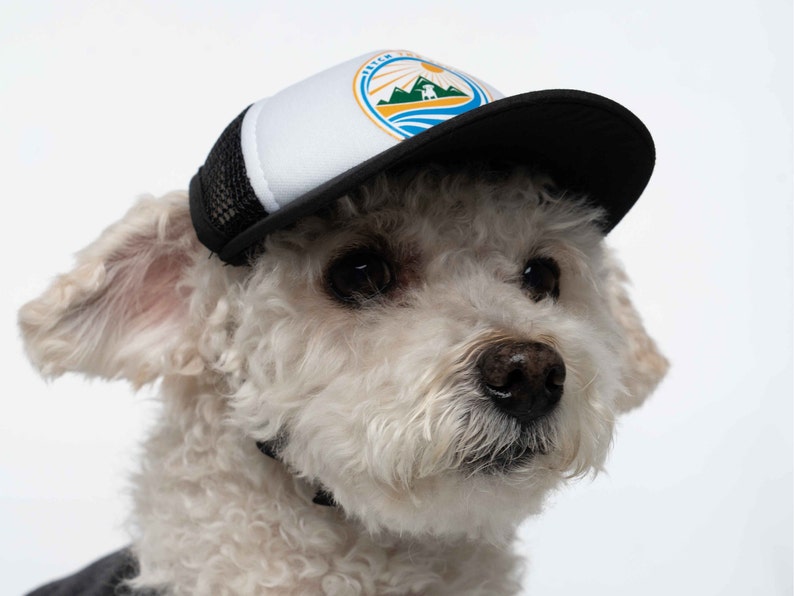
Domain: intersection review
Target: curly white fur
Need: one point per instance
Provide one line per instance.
(378, 404)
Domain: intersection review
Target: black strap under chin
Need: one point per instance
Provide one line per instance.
(322, 497)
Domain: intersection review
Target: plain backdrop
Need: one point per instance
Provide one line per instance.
(103, 101)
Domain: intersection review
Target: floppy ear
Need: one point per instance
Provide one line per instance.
(643, 366)
(123, 310)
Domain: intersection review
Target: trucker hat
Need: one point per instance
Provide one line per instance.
(286, 156)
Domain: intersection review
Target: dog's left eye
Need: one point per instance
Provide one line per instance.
(542, 279)
(359, 276)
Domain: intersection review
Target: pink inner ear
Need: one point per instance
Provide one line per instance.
(161, 299)
(145, 296)
(145, 302)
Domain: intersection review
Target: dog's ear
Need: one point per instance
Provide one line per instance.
(643, 366)
(122, 311)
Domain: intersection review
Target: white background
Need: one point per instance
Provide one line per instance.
(101, 101)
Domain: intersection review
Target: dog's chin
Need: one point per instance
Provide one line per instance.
(510, 446)
(516, 458)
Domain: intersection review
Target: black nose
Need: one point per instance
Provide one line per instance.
(524, 379)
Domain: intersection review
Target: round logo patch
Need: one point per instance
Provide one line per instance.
(405, 94)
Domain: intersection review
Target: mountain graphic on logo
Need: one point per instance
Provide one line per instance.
(422, 90)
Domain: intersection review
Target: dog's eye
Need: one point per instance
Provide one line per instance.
(359, 275)
(542, 279)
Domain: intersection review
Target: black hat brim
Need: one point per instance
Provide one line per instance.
(588, 143)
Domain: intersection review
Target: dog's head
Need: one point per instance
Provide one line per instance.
(439, 349)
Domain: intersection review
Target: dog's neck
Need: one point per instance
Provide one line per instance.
(322, 497)
(213, 515)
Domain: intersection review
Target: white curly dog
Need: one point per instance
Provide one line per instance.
(431, 356)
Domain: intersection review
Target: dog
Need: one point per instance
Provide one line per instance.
(374, 401)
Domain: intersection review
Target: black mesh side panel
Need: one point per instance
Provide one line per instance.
(230, 204)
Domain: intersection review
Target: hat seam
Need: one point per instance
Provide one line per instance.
(253, 165)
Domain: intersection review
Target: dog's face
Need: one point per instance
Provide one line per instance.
(439, 350)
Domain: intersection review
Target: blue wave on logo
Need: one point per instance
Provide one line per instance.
(419, 120)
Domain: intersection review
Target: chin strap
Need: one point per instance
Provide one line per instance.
(322, 497)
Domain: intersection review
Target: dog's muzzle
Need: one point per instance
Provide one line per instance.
(523, 379)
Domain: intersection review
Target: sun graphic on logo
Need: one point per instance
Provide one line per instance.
(432, 67)
(405, 94)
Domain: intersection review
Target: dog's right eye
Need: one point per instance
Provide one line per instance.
(359, 276)
(542, 279)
